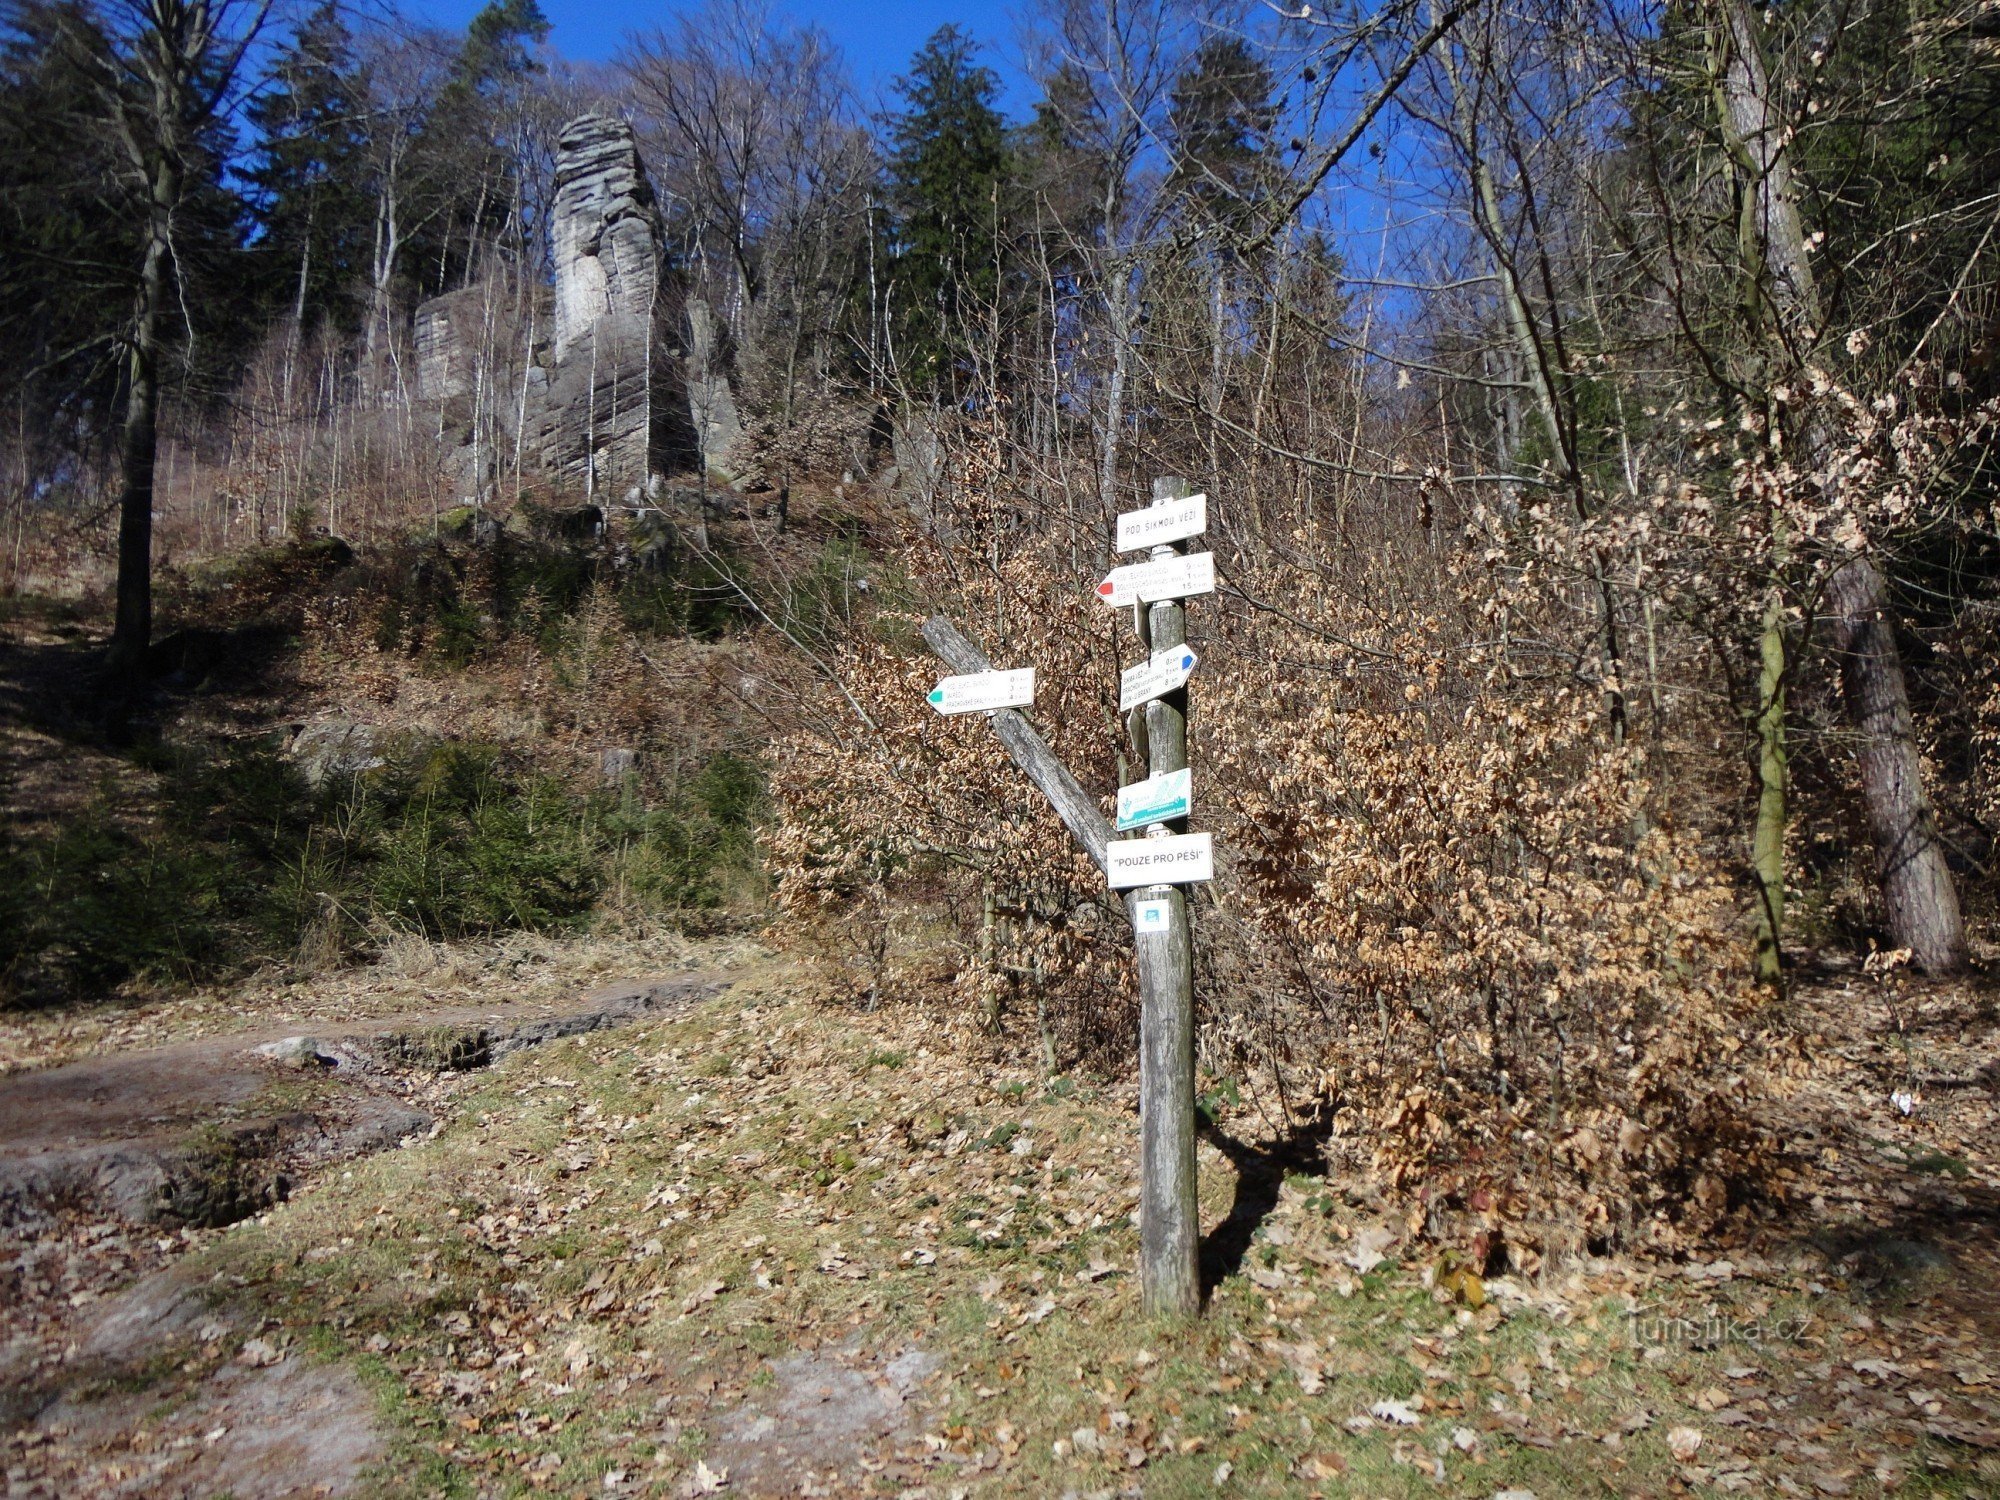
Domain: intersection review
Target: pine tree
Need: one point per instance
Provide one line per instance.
(1219, 129)
(307, 171)
(63, 290)
(1058, 160)
(948, 164)
(470, 148)
(500, 45)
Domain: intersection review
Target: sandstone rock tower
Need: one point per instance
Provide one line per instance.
(601, 416)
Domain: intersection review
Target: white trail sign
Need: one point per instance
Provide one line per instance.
(1156, 678)
(1169, 578)
(1162, 522)
(979, 691)
(1175, 860)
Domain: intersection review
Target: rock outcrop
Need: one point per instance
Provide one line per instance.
(599, 419)
(711, 404)
(615, 390)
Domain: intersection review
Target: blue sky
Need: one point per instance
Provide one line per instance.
(877, 37)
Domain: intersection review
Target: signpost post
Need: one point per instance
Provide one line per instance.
(1169, 1208)
(1152, 869)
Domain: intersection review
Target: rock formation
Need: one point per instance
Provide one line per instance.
(613, 393)
(599, 422)
(711, 404)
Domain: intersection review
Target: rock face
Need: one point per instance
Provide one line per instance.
(442, 349)
(599, 419)
(711, 404)
(604, 233)
(468, 347)
(616, 390)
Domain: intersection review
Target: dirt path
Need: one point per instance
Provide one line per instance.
(110, 1166)
(204, 1132)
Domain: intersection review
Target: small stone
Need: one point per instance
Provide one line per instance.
(301, 1052)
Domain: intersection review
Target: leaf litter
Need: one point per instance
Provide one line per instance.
(624, 1254)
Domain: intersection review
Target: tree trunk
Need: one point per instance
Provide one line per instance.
(1919, 899)
(1119, 316)
(133, 632)
(1918, 896)
(1767, 840)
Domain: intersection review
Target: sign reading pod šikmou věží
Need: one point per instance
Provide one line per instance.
(1163, 522)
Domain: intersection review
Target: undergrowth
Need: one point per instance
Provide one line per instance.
(227, 856)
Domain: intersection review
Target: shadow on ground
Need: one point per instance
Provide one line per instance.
(63, 689)
(1260, 1174)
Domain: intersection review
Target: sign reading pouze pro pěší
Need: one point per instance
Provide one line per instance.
(1176, 860)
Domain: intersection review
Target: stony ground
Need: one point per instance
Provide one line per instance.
(767, 1246)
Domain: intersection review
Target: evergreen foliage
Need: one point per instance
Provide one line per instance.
(948, 164)
(1219, 128)
(306, 168)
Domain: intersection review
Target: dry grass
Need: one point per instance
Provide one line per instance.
(617, 1242)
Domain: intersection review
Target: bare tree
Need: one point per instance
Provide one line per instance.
(1918, 894)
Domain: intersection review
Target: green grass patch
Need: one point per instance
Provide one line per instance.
(215, 856)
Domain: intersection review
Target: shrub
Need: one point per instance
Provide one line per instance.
(454, 845)
(1452, 914)
(225, 857)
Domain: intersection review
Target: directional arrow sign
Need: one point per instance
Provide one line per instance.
(984, 690)
(1169, 578)
(1167, 670)
(1168, 521)
(1157, 799)
(1168, 861)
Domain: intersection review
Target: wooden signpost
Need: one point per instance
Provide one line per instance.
(1169, 1208)
(1152, 869)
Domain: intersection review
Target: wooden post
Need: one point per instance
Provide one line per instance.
(1169, 1205)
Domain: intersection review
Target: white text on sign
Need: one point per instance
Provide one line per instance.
(1169, 861)
(1168, 521)
(977, 691)
(1157, 799)
(1167, 670)
(1169, 578)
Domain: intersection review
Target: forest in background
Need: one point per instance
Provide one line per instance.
(1595, 407)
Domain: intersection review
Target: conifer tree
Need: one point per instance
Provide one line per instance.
(307, 171)
(947, 167)
(1219, 125)
(470, 145)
